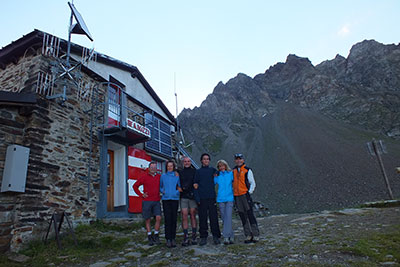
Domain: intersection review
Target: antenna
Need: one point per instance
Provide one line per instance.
(176, 101)
(78, 28)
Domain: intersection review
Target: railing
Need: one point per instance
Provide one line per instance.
(118, 114)
(184, 152)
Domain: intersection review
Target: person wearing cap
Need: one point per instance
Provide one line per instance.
(243, 186)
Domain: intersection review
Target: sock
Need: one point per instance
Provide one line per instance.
(156, 232)
(148, 233)
(185, 232)
(194, 230)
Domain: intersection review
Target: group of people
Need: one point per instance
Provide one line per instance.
(195, 191)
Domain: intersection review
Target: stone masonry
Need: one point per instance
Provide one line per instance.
(58, 136)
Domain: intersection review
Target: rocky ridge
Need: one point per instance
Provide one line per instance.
(285, 120)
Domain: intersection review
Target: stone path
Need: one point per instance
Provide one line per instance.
(318, 239)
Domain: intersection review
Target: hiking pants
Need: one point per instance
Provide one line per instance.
(208, 209)
(244, 205)
(170, 208)
(226, 214)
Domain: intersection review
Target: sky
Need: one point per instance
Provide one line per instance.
(188, 47)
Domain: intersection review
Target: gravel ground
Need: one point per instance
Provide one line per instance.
(313, 239)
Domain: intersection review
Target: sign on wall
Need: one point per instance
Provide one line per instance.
(137, 127)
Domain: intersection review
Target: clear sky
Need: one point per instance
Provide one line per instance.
(204, 42)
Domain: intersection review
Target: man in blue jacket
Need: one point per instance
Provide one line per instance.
(205, 197)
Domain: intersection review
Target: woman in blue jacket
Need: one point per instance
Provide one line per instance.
(225, 198)
(170, 188)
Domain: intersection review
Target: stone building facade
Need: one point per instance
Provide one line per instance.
(84, 129)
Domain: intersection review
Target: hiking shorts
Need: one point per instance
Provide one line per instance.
(150, 209)
(187, 203)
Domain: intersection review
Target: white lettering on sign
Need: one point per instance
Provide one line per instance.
(138, 128)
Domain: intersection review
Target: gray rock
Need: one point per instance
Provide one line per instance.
(155, 254)
(145, 247)
(133, 254)
(100, 264)
(119, 259)
(205, 252)
(18, 258)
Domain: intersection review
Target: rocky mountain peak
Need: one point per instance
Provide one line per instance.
(295, 61)
(368, 48)
(303, 128)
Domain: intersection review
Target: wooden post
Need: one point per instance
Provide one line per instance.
(378, 156)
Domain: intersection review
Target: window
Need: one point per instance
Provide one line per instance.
(114, 108)
(160, 136)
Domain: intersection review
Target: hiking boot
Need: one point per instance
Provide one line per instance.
(256, 239)
(156, 239)
(150, 239)
(173, 243)
(248, 239)
(185, 242)
(194, 239)
(203, 241)
(169, 243)
(216, 240)
(226, 241)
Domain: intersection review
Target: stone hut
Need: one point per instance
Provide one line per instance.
(87, 125)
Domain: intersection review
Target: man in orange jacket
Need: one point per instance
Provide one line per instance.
(244, 185)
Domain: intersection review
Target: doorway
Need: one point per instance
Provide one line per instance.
(110, 180)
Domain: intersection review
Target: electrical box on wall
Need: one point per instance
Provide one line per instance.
(15, 169)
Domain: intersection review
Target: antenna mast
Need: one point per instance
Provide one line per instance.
(176, 102)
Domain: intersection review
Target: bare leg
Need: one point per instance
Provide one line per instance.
(158, 222)
(148, 228)
(193, 217)
(185, 223)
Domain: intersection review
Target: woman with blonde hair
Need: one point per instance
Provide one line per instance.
(224, 180)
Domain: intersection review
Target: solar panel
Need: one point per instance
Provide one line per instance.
(80, 27)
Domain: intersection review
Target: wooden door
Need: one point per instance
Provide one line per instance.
(110, 180)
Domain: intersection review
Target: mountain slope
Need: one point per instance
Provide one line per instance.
(303, 129)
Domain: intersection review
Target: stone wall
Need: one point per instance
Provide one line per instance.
(16, 74)
(11, 132)
(58, 136)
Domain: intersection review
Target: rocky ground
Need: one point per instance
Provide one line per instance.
(331, 238)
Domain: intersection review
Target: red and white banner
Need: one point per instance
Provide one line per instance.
(138, 162)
